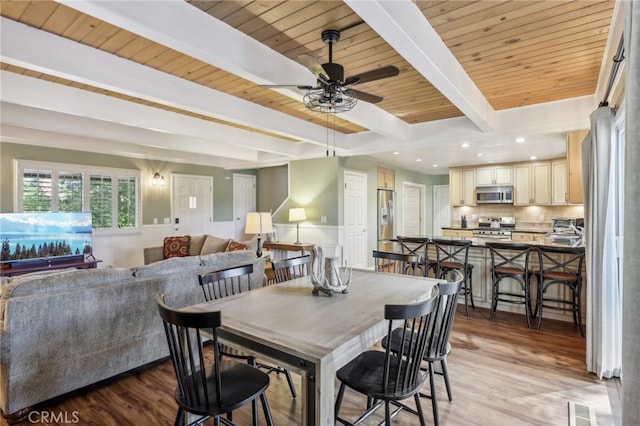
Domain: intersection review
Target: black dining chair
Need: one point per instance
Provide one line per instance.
(291, 268)
(388, 378)
(438, 340)
(510, 261)
(396, 263)
(227, 282)
(560, 267)
(454, 255)
(208, 386)
(419, 246)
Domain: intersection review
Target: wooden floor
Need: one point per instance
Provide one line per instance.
(502, 373)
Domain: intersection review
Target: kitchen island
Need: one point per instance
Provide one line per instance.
(480, 258)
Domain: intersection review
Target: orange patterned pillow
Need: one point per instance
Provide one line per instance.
(234, 245)
(176, 246)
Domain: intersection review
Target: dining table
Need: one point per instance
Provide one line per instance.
(315, 335)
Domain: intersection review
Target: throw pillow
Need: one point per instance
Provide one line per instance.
(176, 246)
(235, 245)
(214, 245)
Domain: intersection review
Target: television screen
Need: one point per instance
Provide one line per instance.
(29, 237)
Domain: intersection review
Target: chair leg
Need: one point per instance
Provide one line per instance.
(179, 421)
(416, 397)
(445, 374)
(434, 399)
(254, 413)
(495, 289)
(540, 303)
(473, 305)
(266, 409)
(387, 413)
(292, 387)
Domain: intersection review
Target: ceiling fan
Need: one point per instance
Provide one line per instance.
(331, 93)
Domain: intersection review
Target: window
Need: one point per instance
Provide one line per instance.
(111, 195)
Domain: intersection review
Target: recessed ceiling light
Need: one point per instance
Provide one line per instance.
(435, 165)
(533, 157)
(520, 139)
(465, 145)
(479, 154)
(395, 153)
(418, 159)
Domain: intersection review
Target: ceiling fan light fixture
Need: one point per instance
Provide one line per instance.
(338, 99)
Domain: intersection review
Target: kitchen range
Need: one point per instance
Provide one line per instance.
(495, 227)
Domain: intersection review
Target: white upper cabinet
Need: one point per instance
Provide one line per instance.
(532, 184)
(494, 175)
(462, 185)
(559, 194)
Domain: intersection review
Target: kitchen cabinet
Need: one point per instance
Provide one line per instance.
(522, 236)
(559, 195)
(457, 233)
(532, 184)
(462, 185)
(386, 178)
(496, 175)
(575, 194)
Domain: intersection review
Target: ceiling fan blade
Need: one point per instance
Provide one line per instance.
(312, 65)
(334, 71)
(367, 97)
(377, 74)
(284, 86)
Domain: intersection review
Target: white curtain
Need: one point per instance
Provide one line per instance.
(603, 209)
(631, 322)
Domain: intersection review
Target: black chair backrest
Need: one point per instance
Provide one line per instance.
(401, 372)
(507, 255)
(414, 245)
(396, 263)
(292, 268)
(183, 331)
(554, 260)
(225, 282)
(452, 250)
(445, 314)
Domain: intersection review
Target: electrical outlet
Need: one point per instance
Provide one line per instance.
(323, 219)
(155, 220)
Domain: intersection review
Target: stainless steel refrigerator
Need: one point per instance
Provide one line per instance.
(386, 216)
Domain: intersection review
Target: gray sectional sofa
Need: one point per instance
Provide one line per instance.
(64, 330)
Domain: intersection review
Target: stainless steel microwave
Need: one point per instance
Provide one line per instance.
(494, 195)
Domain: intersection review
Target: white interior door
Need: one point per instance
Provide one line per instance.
(191, 204)
(441, 208)
(244, 201)
(412, 209)
(355, 219)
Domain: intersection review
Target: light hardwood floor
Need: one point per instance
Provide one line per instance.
(502, 373)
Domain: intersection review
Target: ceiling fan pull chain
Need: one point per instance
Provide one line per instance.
(327, 126)
(334, 135)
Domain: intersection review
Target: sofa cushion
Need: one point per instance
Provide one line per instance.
(213, 245)
(167, 266)
(176, 246)
(235, 246)
(197, 241)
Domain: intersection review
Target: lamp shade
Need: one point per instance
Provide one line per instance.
(297, 214)
(258, 223)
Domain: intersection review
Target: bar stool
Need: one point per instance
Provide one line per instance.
(395, 263)
(560, 266)
(510, 261)
(453, 255)
(419, 246)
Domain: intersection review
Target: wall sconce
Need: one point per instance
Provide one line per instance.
(297, 215)
(258, 224)
(157, 180)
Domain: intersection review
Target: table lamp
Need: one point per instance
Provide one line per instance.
(296, 215)
(258, 224)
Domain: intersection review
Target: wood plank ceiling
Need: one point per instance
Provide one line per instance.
(517, 53)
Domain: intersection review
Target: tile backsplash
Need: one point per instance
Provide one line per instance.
(526, 216)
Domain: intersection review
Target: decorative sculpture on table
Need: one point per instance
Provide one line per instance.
(327, 275)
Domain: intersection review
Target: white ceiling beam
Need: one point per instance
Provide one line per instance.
(184, 28)
(404, 27)
(31, 48)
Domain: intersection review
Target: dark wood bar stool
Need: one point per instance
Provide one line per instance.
(560, 266)
(510, 261)
(453, 255)
(419, 246)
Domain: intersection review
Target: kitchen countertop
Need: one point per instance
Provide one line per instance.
(523, 230)
(541, 241)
